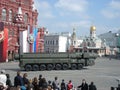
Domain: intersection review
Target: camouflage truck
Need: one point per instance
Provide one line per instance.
(57, 61)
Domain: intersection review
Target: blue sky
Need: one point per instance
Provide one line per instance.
(64, 15)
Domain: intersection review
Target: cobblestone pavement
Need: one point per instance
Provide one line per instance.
(104, 73)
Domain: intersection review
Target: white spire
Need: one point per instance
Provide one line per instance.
(19, 10)
(19, 16)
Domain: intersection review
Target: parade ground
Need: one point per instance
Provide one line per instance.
(104, 73)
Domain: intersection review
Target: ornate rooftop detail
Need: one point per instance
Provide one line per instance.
(92, 28)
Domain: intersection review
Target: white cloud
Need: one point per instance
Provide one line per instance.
(81, 24)
(49, 15)
(115, 4)
(112, 10)
(61, 24)
(44, 9)
(68, 26)
(110, 14)
(72, 5)
(42, 5)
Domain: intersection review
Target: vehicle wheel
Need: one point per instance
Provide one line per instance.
(73, 66)
(28, 67)
(35, 68)
(65, 66)
(58, 67)
(49, 67)
(80, 66)
(42, 67)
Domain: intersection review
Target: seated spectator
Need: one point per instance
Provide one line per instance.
(49, 88)
(1, 87)
(92, 86)
(55, 84)
(23, 88)
(44, 84)
(18, 87)
(50, 85)
(18, 81)
(8, 82)
(30, 85)
(25, 80)
(35, 84)
(3, 79)
(40, 82)
(69, 85)
(63, 85)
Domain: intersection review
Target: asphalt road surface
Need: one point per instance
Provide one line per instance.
(104, 73)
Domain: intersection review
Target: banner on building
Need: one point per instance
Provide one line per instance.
(35, 31)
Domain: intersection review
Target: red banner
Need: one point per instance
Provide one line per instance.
(37, 41)
(5, 45)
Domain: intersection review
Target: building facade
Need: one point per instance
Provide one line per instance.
(75, 41)
(90, 44)
(19, 17)
(55, 43)
(111, 40)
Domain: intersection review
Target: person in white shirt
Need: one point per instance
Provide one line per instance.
(3, 78)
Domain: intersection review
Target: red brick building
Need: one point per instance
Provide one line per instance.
(17, 16)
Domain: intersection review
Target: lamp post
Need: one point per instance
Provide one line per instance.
(20, 50)
(17, 49)
(104, 44)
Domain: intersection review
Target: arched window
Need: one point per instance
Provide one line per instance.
(10, 15)
(4, 14)
(26, 18)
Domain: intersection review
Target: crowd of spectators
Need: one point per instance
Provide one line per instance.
(21, 82)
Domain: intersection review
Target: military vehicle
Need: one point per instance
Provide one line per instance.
(57, 61)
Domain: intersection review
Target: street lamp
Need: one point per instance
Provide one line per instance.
(104, 46)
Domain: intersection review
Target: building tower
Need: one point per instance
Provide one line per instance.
(19, 15)
(73, 37)
(19, 20)
(92, 32)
